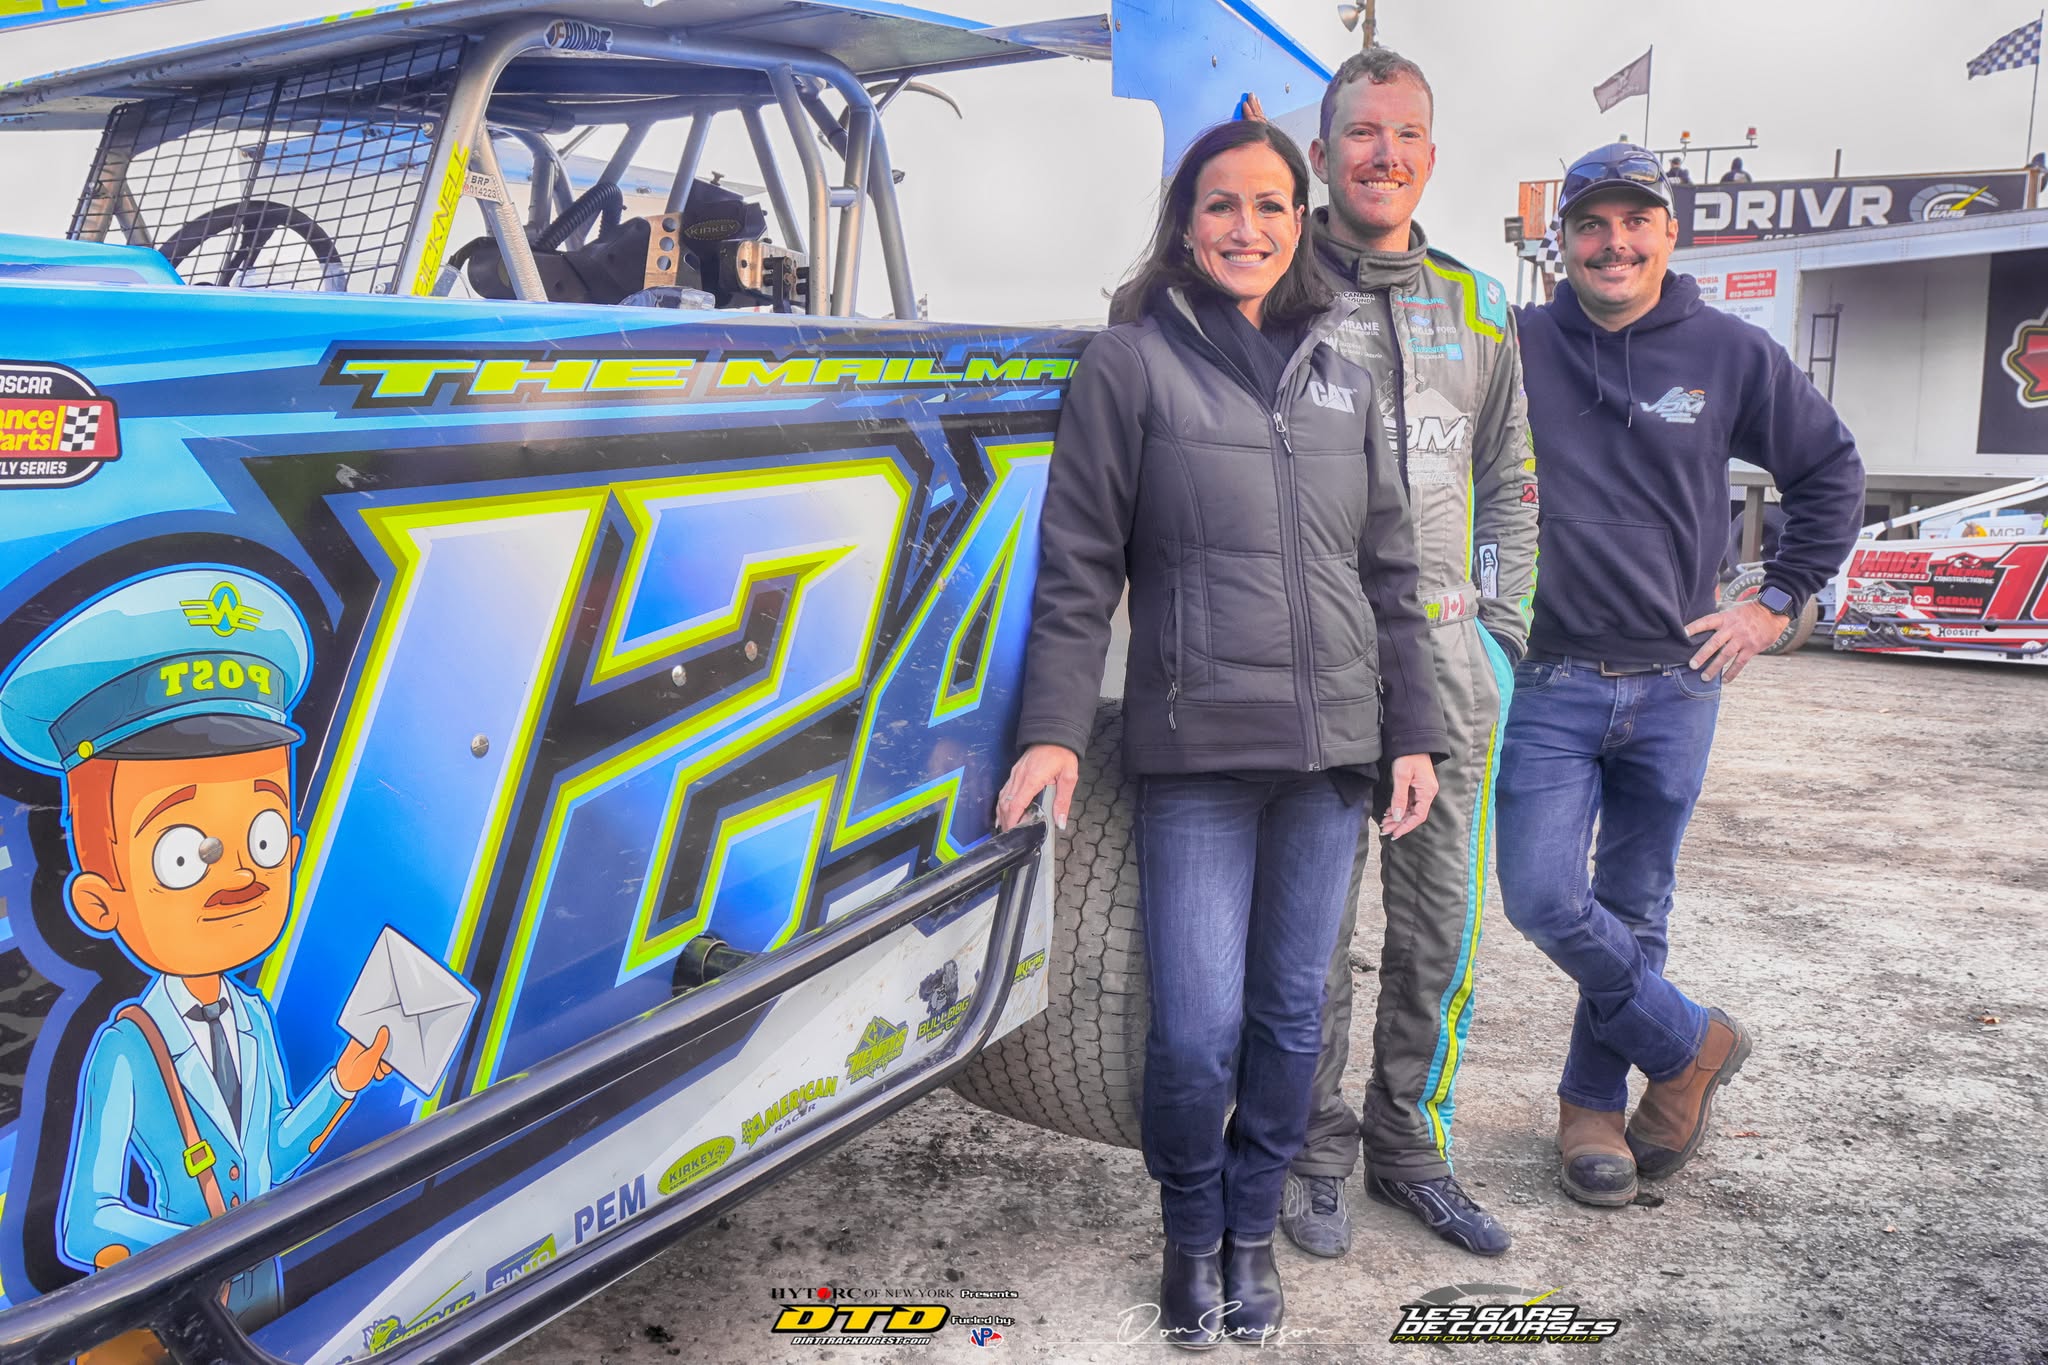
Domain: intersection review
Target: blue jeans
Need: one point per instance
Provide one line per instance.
(1629, 753)
(1242, 884)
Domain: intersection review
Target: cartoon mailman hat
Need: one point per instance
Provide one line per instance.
(186, 663)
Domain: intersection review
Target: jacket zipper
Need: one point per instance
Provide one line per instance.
(1171, 664)
(1304, 661)
(1400, 390)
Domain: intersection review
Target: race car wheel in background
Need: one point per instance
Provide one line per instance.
(1078, 1067)
(1748, 584)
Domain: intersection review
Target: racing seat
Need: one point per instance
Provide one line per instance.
(630, 255)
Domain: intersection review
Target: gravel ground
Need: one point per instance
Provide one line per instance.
(1861, 885)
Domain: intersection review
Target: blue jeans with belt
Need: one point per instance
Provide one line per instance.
(1242, 883)
(1629, 753)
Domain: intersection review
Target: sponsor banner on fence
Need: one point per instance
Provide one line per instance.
(1758, 289)
(1710, 214)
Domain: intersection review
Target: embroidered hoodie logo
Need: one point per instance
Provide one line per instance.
(1679, 405)
(1331, 396)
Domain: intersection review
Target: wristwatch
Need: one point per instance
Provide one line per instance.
(1777, 601)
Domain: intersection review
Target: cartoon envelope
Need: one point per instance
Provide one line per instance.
(425, 1006)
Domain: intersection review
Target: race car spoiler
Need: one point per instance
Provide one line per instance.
(1193, 60)
(173, 1289)
(874, 39)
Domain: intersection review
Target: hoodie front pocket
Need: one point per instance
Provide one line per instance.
(1605, 579)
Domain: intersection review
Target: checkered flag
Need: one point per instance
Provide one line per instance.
(1549, 254)
(2021, 47)
(81, 430)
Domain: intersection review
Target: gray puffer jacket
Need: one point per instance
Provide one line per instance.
(1269, 550)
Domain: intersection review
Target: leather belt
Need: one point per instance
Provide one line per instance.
(1607, 670)
(1456, 604)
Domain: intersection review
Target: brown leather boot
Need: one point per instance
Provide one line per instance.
(1672, 1117)
(1598, 1168)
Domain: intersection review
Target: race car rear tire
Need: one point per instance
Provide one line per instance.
(1078, 1067)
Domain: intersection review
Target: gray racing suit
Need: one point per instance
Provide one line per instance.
(1439, 341)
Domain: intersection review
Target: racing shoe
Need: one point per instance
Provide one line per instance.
(1313, 1216)
(1253, 1302)
(1191, 1297)
(1672, 1116)
(1448, 1211)
(1596, 1165)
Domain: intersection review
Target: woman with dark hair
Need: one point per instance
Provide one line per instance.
(1218, 455)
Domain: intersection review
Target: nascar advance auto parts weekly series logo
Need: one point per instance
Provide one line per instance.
(55, 430)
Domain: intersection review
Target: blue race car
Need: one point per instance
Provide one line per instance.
(503, 682)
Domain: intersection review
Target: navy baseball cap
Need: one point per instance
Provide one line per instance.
(1618, 165)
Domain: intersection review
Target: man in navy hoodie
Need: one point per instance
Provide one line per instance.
(1638, 398)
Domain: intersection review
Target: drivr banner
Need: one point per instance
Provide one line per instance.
(28, 13)
(1796, 208)
(2012, 417)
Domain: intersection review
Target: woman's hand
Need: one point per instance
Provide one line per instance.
(1042, 766)
(1414, 793)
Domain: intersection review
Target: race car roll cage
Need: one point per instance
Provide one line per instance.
(174, 1288)
(794, 77)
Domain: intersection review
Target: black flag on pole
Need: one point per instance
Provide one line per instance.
(1633, 79)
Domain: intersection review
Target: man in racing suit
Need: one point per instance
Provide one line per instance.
(1440, 342)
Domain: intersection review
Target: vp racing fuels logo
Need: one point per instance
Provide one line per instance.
(55, 431)
(1498, 1314)
(1682, 406)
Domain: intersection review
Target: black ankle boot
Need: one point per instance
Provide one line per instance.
(1191, 1298)
(1251, 1285)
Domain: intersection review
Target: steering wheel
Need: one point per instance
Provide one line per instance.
(253, 222)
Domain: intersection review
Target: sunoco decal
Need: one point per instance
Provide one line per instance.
(55, 431)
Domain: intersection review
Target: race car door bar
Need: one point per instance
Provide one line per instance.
(173, 1289)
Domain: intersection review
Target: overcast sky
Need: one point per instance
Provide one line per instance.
(1038, 200)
